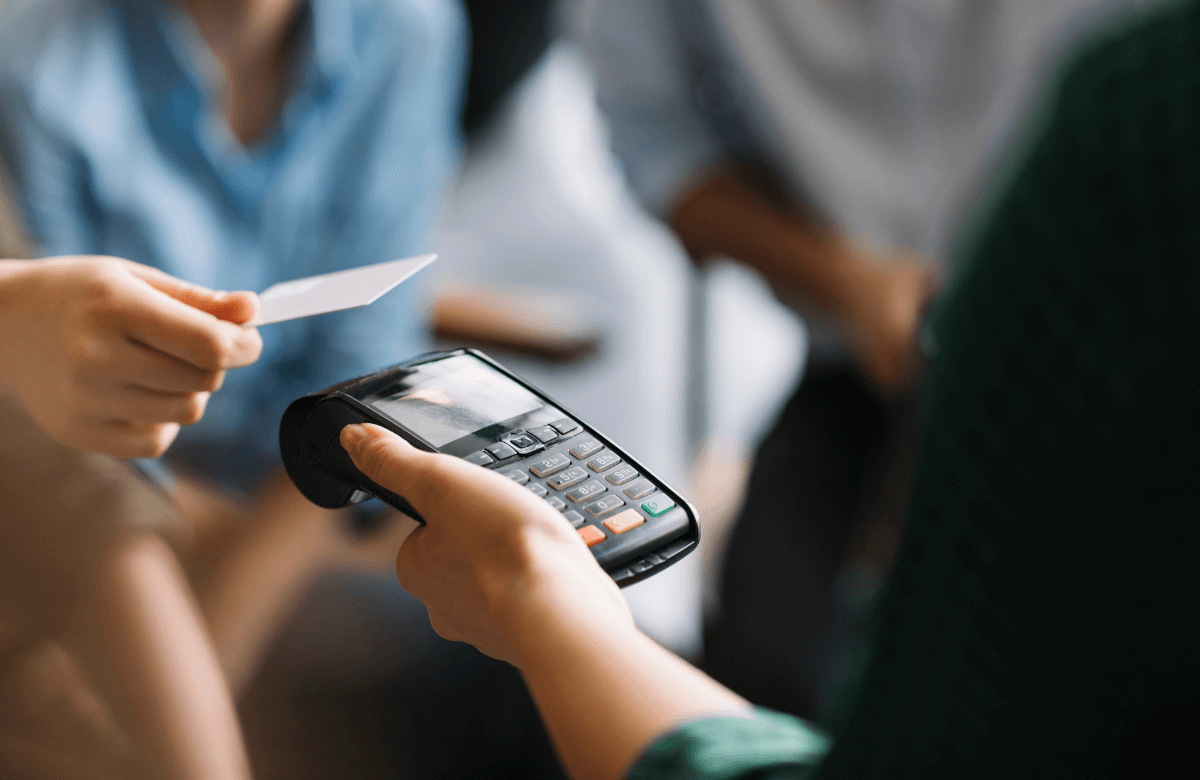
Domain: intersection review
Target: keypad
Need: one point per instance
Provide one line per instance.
(591, 535)
(586, 448)
(544, 433)
(587, 484)
(500, 451)
(604, 506)
(524, 442)
(658, 505)
(547, 466)
(622, 475)
(565, 426)
(643, 487)
(604, 461)
(480, 458)
(567, 478)
(586, 491)
(621, 523)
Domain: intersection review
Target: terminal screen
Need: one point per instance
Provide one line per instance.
(448, 399)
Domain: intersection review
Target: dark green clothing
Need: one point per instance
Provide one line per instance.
(1043, 618)
(718, 748)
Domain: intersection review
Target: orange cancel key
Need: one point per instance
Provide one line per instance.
(592, 535)
(621, 523)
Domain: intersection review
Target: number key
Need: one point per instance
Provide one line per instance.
(604, 506)
(586, 491)
(586, 447)
(604, 461)
(622, 475)
(547, 466)
(567, 478)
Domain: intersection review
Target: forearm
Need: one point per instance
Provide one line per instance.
(606, 692)
(147, 640)
(722, 215)
(256, 581)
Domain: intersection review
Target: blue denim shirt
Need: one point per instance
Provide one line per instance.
(112, 129)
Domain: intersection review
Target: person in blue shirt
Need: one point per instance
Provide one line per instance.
(231, 145)
(235, 155)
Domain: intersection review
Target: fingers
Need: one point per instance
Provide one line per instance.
(140, 406)
(122, 439)
(235, 307)
(139, 366)
(155, 319)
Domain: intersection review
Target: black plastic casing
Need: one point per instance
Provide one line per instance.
(320, 468)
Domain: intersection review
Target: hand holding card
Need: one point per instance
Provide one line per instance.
(336, 291)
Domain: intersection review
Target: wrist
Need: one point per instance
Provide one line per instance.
(557, 612)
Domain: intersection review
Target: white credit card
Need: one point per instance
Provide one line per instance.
(334, 292)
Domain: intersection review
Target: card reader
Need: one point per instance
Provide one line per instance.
(463, 403)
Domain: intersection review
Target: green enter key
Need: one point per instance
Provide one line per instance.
(658, 505)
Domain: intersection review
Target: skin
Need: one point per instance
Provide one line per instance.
(500, 569)
(113, 357)
(877, 297)
(257, 580)
(53, 723)
(146, 627)
(251, 43)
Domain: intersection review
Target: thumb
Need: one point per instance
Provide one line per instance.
(235, 307)
(388, 460)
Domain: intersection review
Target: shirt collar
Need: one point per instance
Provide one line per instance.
(332, 28)
(328, 31)
(181, 82)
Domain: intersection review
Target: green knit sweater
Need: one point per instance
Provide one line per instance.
(1043, 618)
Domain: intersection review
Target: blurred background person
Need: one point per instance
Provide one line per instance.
(236, 144)
(106, 665)
(263, 141)
(834, 148)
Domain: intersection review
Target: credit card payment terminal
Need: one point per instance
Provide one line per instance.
(463, 403)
